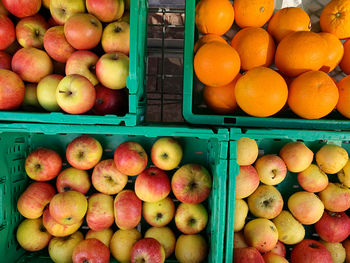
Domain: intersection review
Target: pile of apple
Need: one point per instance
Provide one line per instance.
(276, 222)
(54, 219)
(73, 57)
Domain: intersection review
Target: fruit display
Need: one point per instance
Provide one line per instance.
(291, 202)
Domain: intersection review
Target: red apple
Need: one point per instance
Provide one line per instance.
(191, 184)
(30, 31)
(84, 152)
(130, 158)
(43, 164)
(152, 185)
(7, 32)
(127, 209)
(33, 200)
(116, 37)
(83, 62)
(22, 8)
(310, 251)
(73, 179)
(279, 249)
(91, 250)
(56, 44)
(83, 31)
(75, 94)
(110, 101)
(31, 64)
(12, 90)
(106, 10)
(5, 60)
(333, 227)
(147, 250)
(100, 215)
(3, 10)
(247, 255)
(247, 181)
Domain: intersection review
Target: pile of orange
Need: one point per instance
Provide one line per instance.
(242, 74)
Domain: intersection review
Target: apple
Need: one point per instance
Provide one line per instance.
(310, 251)
(104, 235)
(165, 237)
(346, 245)
(32, 235)
(22, 8)
(306, 207)
(152, 185)
(61, 248)
(7, 32)
(147, 250)
(166, 153)
(343, 174)
(290, 231)
(5, 60)
(116, 37)
(30, 31)
(83, 31)
(73, 179)
(30, 101)
(61, 10)
(191, 184)
(265, 202)
(31, 64)
(247, 255)
(241, 212)
(336, 197)
(333, 227)
(43, 164)
(84, 152)
(34, 199)
(112, 70)
(337, 251)
(107, 179)
(100, 214)
(91, 250)
(109, 101)
(191, 248)
(159, 213)
(56, 44)
(3, 10)
(83, 63)
(239, 240)
(75, 94)
(68, 208)
(279, 249)
(297, 156)
(261, 233)
(106, 10)
(271, 257)
(331, 158)
(130, 158)
(247, 151)
(313, 179)
(127, 209)
(122, 243)
(191, 218)
(247, 181)
(57, 229)
(271, 169)
(46, 92)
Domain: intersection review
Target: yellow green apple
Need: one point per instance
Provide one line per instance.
(104, 235)
(122, 243)
(337, 251)
(61, 248)
(247, 151)
(239, 241)
(191, 248)
(241, 212)
(331, 158)
(61, 10)
(191, 218)
(46, 92)
(159, 213)
(166, 153)
(344, 175)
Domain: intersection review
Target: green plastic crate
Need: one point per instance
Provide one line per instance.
(195, 112)
(201, 146)
(270, 142)
(135, 82)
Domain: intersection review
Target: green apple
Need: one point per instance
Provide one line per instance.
(61, 248)
(165, 237)
(46, 92)
(166, 153)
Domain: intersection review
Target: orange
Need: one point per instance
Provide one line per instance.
(216, 64)
(287, 20)
(345, 62)
(300, 52)
(207, 39)
(343, 105)
(313, 95)
(335, 18)
(222, 99)
(253, 13)
(335, 52)
(214, 16)
(261, 92)
(255, 47)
